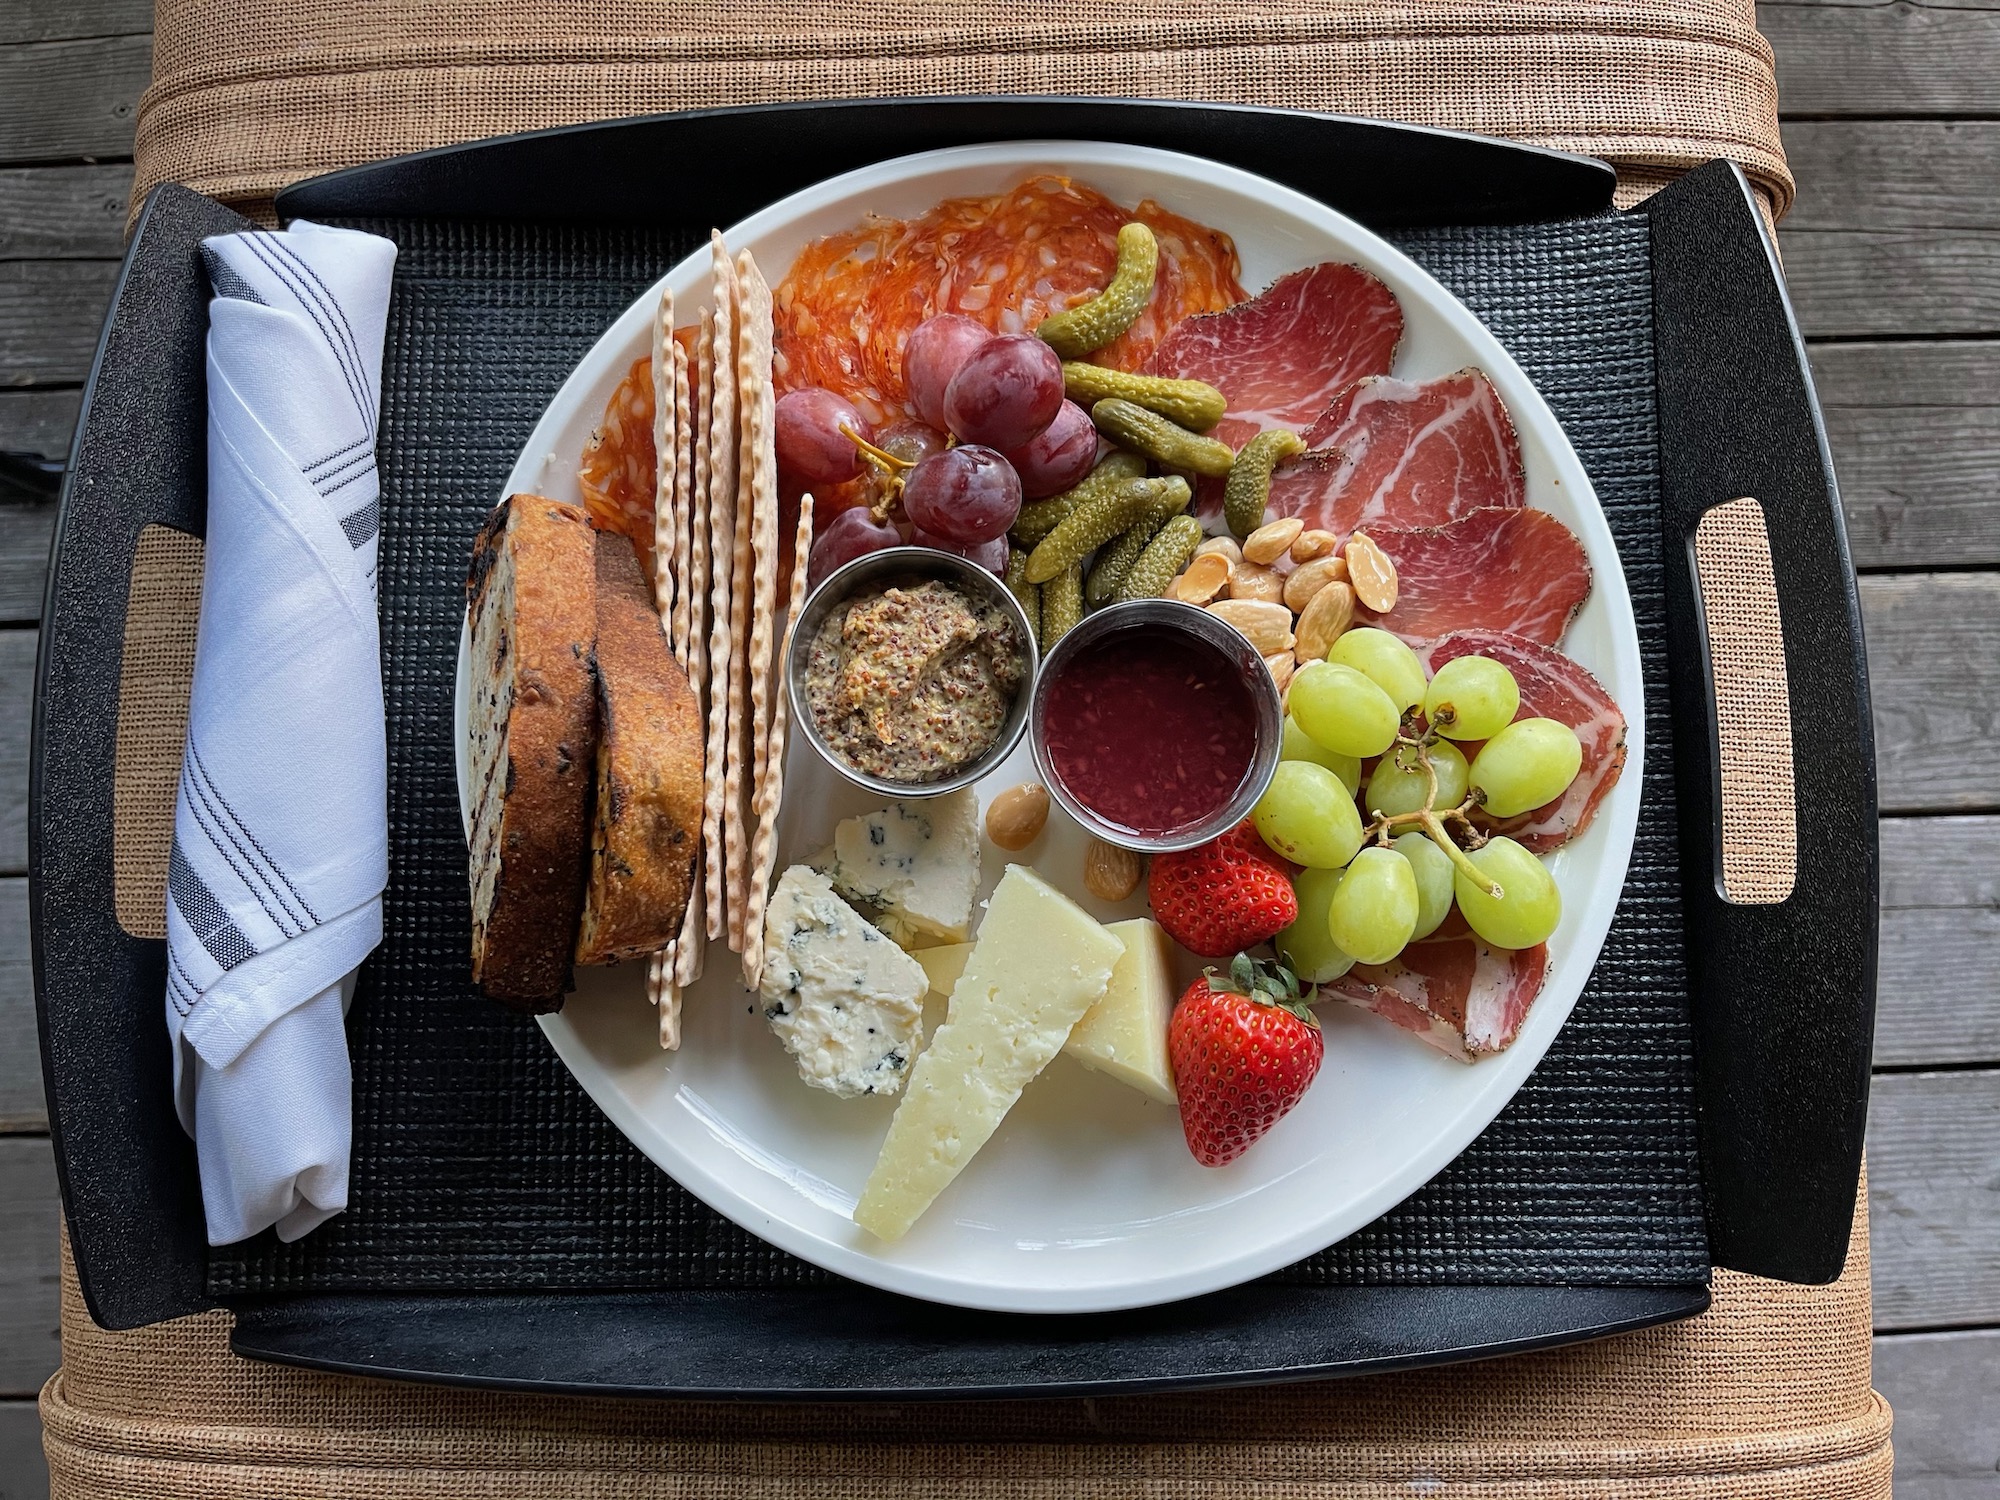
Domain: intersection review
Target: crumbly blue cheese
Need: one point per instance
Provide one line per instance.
(847, 1003)
(918, 862)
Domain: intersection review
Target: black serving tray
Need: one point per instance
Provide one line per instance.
(1780, 997)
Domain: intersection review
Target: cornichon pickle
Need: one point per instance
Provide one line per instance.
(1062, 605)
(1249, 487)
(1131, 425)
(1092, 524)
(1115, 558)
(1164, 557)
(1093, 324)
(1039, 517)
(1194, 404)
(1029, 594)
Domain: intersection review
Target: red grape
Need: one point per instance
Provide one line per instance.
(811, 446)
(851, 534)
(1061, 456)
(932, 354)
(912, 442)
(965, 494)
(1006, 393)
(991, 555)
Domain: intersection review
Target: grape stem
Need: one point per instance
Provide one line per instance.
(1431, 822)
(889, 467)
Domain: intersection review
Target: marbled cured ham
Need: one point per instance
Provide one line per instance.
(1463, 996)
(1409, 453)
(1517, 570)
(1281, 357)
(1552, 687)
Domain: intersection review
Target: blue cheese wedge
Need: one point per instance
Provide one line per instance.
(917, 862)
(1124, 1035)
(1039, 964)
(847, 1003)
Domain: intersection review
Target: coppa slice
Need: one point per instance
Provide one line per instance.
(1552, 687)
(1282, 356)
(1521, 571)
(1461, 995)
(1411, 453)
(1039, 964)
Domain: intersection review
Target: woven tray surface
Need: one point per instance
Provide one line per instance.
(480, 1164)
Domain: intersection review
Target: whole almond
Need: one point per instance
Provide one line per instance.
(1329, 612)
(1268, 543)
(1206, 576)
(1015, 818)
(1371, 573)
(1315, 543)
(1248, 580)
(1109, 872)
(1226, 545)
(1282, 665)
(1305, 581)
(1268, 627)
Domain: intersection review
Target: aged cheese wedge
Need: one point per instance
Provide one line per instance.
(1039, 964)
(1125, 1033)
(944, 964)
(918, 861)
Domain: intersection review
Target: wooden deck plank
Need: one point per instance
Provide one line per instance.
(1907, 58)
(71, 100)
(1934, 670)
(1940, 929)
(17, 697)
(25, 532)
(49, 212)
(56, 20)
(1945, 1388)
(22, 1108)
(50, 314)
(30, 1340)
(1915, 433)
(38, 422)
(1934, 1198)
(24, 1471)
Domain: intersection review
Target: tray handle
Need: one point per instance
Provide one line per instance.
(130, 1193)
(1782, 992)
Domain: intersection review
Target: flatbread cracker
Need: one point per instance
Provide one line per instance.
(669, 423)
(661, 984)
(771, 791)
(683, 533)
(722, 441)
(757, 554)
(688, 951)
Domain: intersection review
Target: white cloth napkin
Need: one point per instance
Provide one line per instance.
(281, 847)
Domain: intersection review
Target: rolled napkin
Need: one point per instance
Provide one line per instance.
(281, 844)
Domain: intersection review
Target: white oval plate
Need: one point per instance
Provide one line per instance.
(1086, 1199)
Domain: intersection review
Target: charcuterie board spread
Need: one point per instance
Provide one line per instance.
(1280, 626)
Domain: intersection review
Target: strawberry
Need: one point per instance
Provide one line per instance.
(1229, 894)
(1244, 1049)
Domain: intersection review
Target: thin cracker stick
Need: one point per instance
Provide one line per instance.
(756, 492)
(660, 980)
(770, 795)
(688, 953)
(683, 507)
(722, 534)
(742, 589)
(669, 422)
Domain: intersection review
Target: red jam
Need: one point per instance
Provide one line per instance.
(1153, 730)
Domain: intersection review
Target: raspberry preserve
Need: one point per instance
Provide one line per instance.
(1153, 730)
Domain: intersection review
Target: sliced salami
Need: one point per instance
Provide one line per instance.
(1281, 357)
(1410, 453)
(1552, 687)
(1465, 997)
(1516, 570)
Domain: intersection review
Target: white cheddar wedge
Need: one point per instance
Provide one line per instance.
(917, 861)
(1125, 1034)
(944, 964)
(1039, 964)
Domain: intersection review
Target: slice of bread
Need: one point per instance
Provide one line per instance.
(649, 759)
(532, 592)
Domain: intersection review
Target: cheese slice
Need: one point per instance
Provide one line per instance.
(944, 964)
(917, 861)
(1125, 1033)
(1039, 964)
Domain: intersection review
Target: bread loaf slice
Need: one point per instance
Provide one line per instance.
(649, 783)
(532, 594)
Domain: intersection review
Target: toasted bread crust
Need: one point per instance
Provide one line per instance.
(532, 592)
(649, 773)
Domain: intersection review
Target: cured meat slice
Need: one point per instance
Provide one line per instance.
(616, 470)
(1517, 570)
(1552, 687)
(1281, 357)
(1465, 997)
(1412, 453)
(850, 300)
